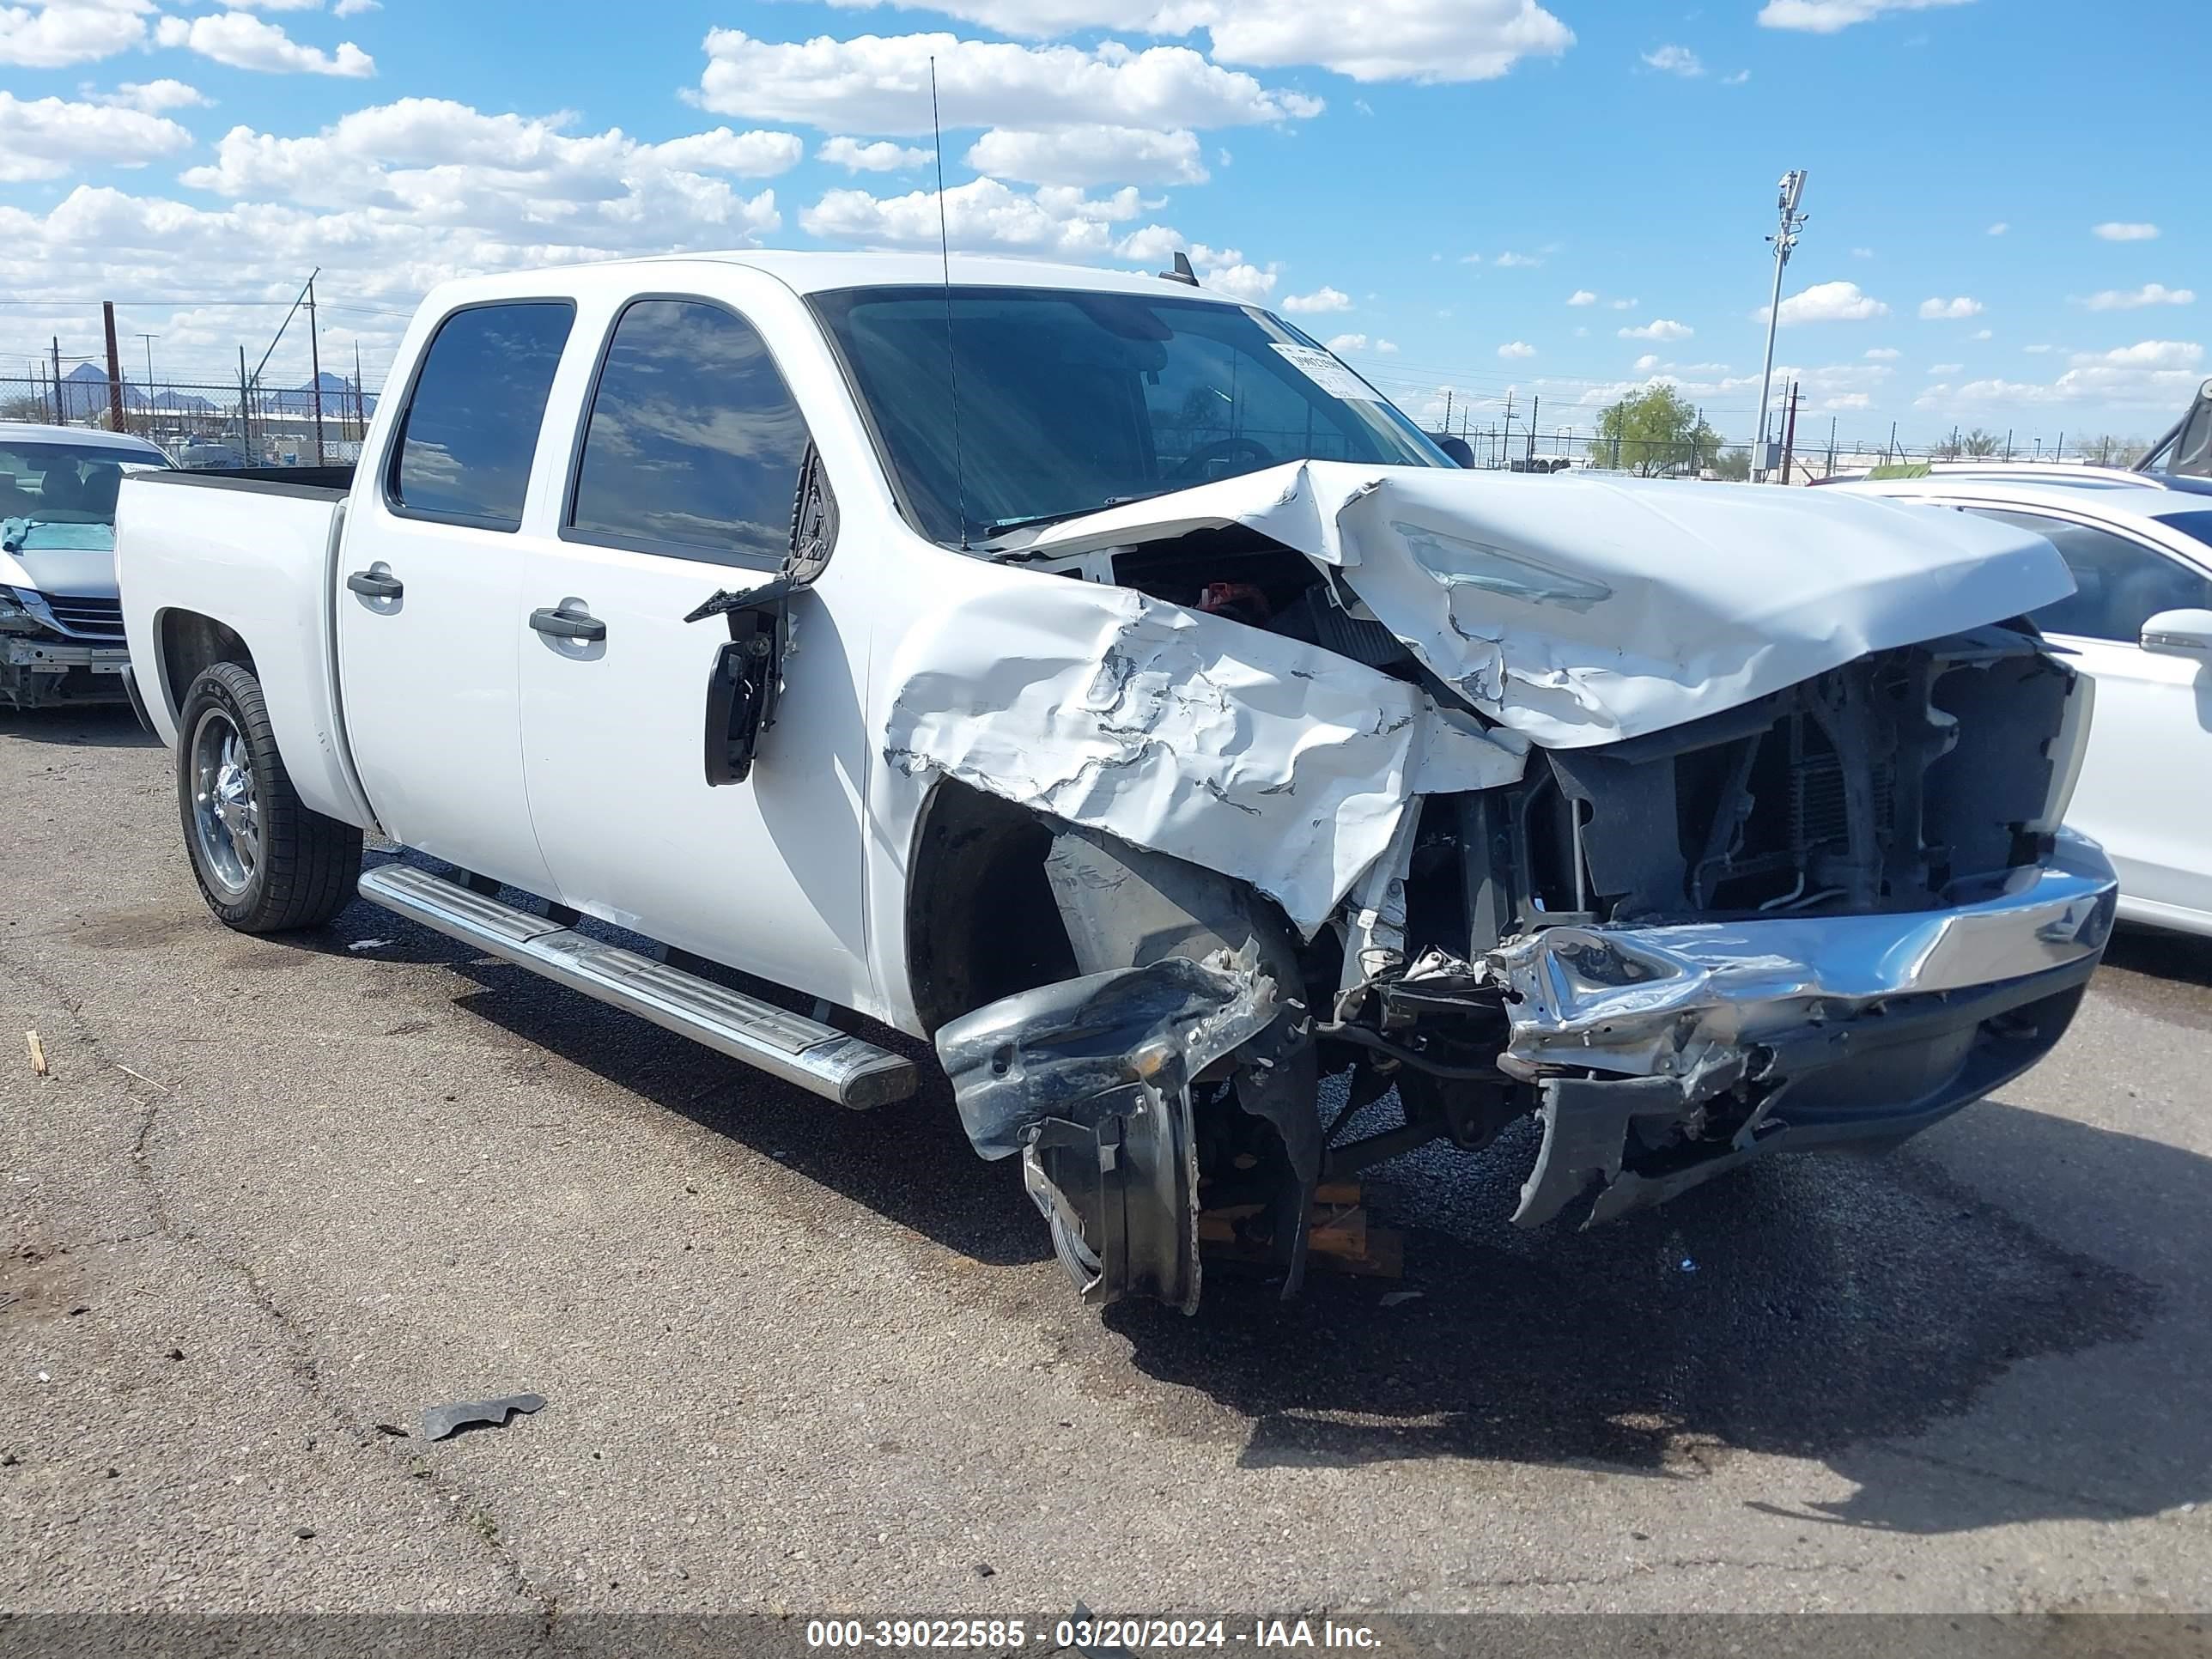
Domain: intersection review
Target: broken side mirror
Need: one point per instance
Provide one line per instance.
(747, 676)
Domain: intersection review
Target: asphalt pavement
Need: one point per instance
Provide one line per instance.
(277, 1196)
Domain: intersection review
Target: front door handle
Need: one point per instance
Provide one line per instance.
(567, 624)
(376, 584)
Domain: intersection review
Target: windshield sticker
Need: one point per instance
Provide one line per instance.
(1331, 376)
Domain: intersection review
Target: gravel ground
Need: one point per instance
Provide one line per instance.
(278, 1195)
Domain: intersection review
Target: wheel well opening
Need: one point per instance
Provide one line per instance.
(981, 923)
(191, 643)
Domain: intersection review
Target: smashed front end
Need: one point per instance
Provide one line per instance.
(61, 623)
(1690, 880)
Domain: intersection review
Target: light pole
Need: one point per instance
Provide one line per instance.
(1785, 239)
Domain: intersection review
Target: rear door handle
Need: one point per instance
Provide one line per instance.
(376, 584)
(567, 624)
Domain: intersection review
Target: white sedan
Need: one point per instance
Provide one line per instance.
(2141, 626)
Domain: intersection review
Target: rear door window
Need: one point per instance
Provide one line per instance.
(471, 423)
(694, 444)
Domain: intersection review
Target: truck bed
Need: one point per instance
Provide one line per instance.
(253, 552)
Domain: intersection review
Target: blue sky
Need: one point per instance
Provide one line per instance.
(1434, 183)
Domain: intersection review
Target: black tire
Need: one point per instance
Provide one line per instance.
(265, 861)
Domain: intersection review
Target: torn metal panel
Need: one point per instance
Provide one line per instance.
(1667, 1054)
(1579, 610)
(1240, 751)
(1666, 1000)
(1089, 1081)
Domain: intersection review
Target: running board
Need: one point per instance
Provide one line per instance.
(827, 1062)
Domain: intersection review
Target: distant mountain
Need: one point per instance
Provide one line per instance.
(337, 398)
(84, 397)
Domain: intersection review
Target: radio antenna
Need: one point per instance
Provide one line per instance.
(951, 355)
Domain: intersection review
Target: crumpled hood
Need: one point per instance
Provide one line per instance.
(1579, 611)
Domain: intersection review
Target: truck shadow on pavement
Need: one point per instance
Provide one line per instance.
(102, 725)
(1916, 1333)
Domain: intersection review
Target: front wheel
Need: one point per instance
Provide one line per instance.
(265, 861)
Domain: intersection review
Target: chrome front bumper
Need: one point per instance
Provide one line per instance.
(1812, 1031)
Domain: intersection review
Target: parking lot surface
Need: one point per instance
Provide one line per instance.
(277, 1196)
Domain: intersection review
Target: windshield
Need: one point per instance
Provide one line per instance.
(66, 484)
(1071, 400)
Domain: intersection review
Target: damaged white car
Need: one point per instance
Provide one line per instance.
(1095, 677)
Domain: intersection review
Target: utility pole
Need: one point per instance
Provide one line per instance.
(61, 407)
(1447, 402)
(1790, 433)
(150, 339)
(360, 399)
(1505, 432)
(244, 421)
(1784, 239)
(315, 369)
(1535, 408)
(114, 368)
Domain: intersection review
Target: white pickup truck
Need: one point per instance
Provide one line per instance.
(1095, 677)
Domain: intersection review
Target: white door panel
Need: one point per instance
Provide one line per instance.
(429, 585)
(763, 875)
(429, 685)
(2146, 785)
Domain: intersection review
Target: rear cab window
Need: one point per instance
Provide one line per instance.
(470, 430)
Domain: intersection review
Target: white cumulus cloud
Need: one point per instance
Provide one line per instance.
(247, 42)
(1582, 296)
(1950, 310)
(50, 138)
(882, 157)
(2113, 230)
(1827, 302)
(1833, 16)
(1420, 41)
(1659, 329)
(53, 36)
(155, 96)
(880, 83)
(1090, 155)
(1675, 60)
(2150, 294)
(1322, 299)
(1055, 222)
(1884, 354)
(1514, 349)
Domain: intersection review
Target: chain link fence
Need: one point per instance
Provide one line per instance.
(205, 424)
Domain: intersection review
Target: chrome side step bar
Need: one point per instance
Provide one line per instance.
(830, 1063)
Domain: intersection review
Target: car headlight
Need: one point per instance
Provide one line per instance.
(2066, 750)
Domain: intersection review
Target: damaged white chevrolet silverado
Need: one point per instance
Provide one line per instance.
(1094, 676)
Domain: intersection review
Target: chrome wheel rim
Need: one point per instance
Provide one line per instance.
(226, 815)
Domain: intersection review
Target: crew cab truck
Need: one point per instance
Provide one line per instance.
(1095, 677)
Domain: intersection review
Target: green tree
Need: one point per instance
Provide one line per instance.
(1978, 442)
(1733, 464)
(1654, 431)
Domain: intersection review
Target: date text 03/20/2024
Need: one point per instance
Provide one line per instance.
(1087, 1634)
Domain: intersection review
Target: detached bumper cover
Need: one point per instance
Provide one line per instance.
(1667, 1054)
